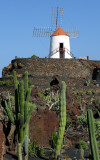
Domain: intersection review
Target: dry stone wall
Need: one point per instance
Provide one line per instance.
(48, 67)
(41, 70)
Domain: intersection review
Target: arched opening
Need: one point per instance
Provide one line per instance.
(96, 74)
(55, 84)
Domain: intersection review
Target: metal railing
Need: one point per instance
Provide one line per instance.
(60, 50)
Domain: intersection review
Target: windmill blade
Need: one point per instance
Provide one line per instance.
(61, 16)
(73, 32)
(53, 17)
(56, 18)
(42, 31)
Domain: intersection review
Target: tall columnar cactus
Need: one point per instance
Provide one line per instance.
(62, 119)
(93, 144)
(23, 110)
(23, 113)
(27, 96)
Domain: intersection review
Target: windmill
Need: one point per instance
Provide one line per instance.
(59, 44)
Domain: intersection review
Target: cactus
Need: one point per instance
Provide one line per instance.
(23, 110)
(62, 119)
(93, 144)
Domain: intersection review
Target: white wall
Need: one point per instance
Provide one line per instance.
(54, 45)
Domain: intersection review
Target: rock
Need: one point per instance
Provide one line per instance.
(6, 70)
(20, 65)
(15, 65)
(97, 85)
(42, 125)
(2, 142)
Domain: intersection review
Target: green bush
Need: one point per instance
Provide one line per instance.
(78, 99)
(68, 122)
(6, 83)
(82, 144)
(36, 151)
(87, 83)
(34, 56)
(32, 149)
(96, 101)
(17, 57)
(80, 92)
(82, 119)
(47, 91)
(89, 93)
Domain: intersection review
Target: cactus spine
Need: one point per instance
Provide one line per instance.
(62, 119)
(93, 144)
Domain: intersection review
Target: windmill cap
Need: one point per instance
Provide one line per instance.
(60, 31)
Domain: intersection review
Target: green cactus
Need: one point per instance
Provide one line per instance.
(62, 119)
(23, 110)
(93, 144)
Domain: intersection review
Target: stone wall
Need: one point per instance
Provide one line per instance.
(41, 70)
(48, 67)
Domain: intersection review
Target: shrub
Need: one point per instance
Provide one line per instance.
(82, 119)
(6, 83)
(47, 91)
(68, 122)
(82, 144)
(80, 92)
(87, 83)
(93, 91)
(96, 101)
(17, 57)
(78, 99)
(34, 56)
(32, 149)
(36, 151)
(89, 93)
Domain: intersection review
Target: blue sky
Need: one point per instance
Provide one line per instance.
(18, 17)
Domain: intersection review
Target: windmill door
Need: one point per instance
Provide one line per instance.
(61, 50)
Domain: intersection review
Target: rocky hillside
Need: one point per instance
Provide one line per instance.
(45, 76)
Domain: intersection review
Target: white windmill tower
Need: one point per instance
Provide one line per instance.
(59, 39)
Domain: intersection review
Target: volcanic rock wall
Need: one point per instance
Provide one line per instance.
(41, 70)
(48, 67)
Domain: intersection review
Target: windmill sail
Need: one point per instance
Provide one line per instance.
(42, 31)
(56, 22)
(73, 32)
